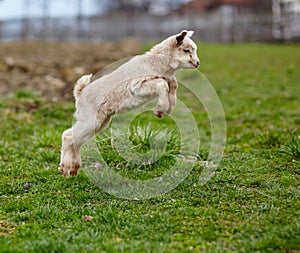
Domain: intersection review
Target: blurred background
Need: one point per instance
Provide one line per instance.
(144, 20)
(46, 45)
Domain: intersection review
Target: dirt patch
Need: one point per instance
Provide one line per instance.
(52, 68)
(6, 228)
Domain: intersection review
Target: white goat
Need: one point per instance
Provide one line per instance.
(141, 79)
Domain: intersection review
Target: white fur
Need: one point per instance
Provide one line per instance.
(134, 83)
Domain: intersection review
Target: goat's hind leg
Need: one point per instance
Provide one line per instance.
(70, 159)
(72, 141)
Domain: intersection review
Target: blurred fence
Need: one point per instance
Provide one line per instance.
(224, 25)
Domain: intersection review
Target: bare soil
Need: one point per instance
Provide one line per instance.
(52, 68)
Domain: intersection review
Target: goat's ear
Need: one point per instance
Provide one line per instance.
(180, 37)
(190, 34)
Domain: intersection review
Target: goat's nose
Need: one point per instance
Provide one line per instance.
(198, 63)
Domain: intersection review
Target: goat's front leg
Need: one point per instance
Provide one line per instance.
(162, 105)
(154, 87)
(173, 84)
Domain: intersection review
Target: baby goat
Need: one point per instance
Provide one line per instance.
(141, 79)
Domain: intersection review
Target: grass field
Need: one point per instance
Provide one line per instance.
(252, 204)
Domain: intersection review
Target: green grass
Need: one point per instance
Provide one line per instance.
(252, 204)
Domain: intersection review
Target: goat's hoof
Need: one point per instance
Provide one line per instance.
(67, 171)
(159, 114)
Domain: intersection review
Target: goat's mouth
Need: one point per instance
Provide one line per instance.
(196, 65)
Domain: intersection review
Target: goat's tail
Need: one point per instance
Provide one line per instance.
(81, 83)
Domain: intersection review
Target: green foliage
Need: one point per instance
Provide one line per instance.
(252, 204)
(158, 147)
(292, 148)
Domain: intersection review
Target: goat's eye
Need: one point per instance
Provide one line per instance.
(186, 50)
